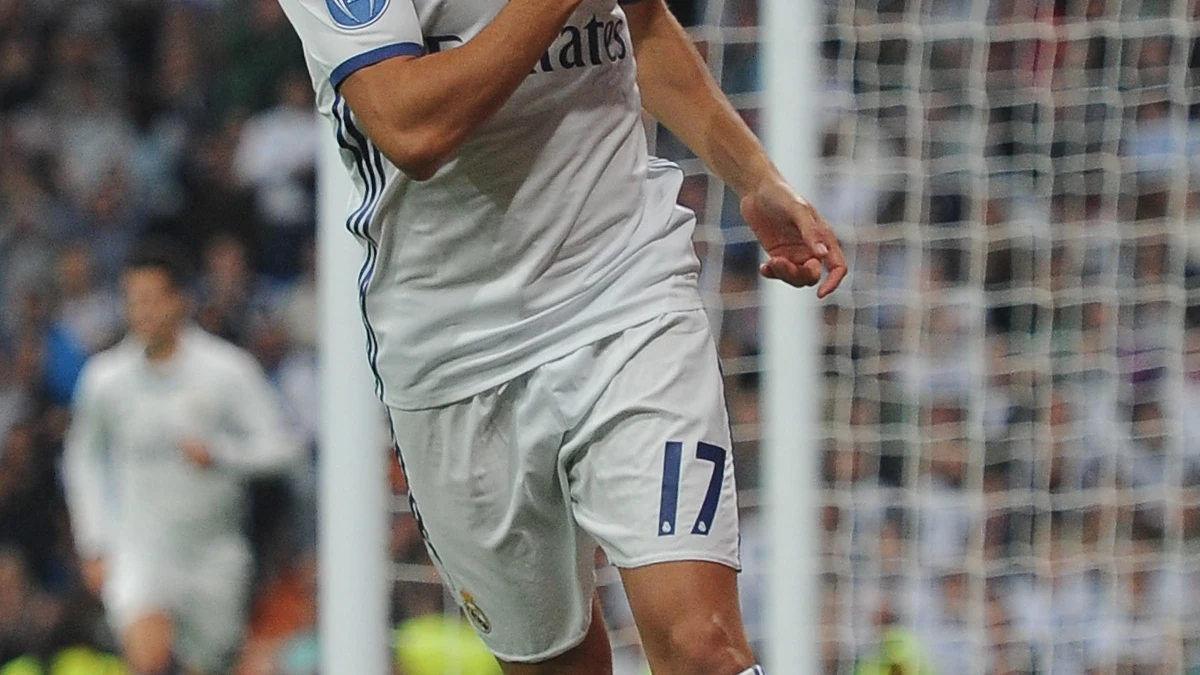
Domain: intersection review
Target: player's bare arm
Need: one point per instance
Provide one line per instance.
(420, 110)
(678, 90)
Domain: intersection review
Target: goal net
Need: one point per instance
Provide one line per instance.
(1011, 456)
(1011, 436)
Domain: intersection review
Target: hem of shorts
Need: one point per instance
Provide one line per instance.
(678, 556)
(122, 619)
(557, 650)
(661, 308)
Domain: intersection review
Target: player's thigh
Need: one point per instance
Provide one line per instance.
(688, 617)
(487, 492)
(650, 469)
(137, 587)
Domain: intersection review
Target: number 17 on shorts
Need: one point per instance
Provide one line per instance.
(668, 510)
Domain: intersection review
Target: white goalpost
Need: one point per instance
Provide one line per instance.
(791, 396)
(352, 494)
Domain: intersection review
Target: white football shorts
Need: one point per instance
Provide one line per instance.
(206, 595)
(624, 443)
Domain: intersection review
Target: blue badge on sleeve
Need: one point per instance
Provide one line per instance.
(355, 13)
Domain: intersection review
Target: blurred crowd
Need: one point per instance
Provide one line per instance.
(121, 120)
(1011, 439)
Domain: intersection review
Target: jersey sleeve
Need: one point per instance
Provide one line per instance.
(343, 36)
(85, 468)
(259, 442)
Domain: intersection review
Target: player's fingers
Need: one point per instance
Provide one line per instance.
(803, 275)
(810, 272)
(836, 264)
(832, 281)
(813, 229)
(781, 269)
(784, 269)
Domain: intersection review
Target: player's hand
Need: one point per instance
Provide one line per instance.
(800, 245)
(197, 454)
(94, 572)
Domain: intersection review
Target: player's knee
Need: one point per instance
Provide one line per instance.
(704, 646)
(148, 650)
(146, 661)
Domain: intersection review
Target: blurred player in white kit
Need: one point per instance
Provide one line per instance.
(533, 319)
(167, 427)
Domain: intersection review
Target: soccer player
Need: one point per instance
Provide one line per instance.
(530, 299)
(167, 427)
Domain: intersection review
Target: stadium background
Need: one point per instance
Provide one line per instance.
(1011, 437)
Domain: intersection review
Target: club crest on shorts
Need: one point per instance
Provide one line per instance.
(354, 14)
(476, 615)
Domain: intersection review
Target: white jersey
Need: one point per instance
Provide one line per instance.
(129, 484)
(550, 229)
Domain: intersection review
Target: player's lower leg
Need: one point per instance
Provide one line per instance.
(148, 645)
(593, 656)
(688, 616)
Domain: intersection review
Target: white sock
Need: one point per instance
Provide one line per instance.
(753, 670)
